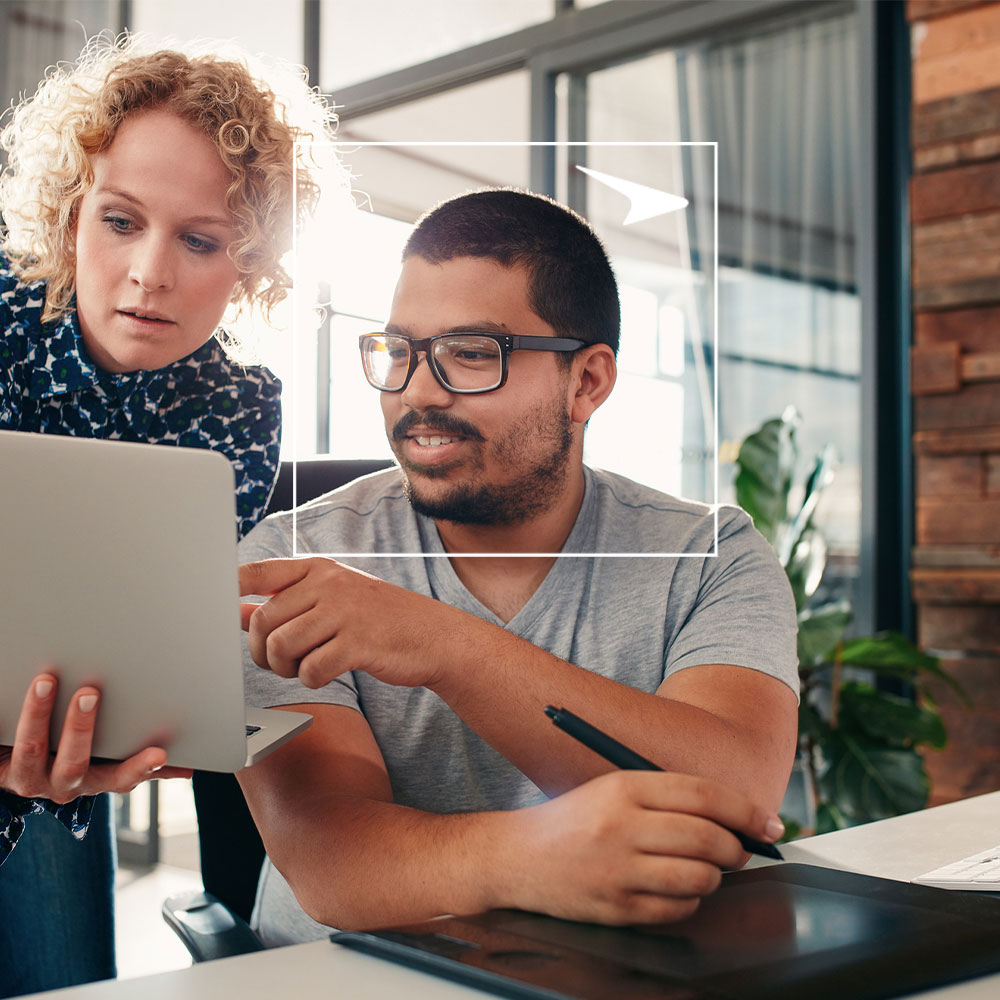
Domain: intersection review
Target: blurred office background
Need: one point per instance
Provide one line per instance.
(787, 280)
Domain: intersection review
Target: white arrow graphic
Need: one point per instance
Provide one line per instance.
(644, 202)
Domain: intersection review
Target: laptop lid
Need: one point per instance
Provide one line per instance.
(118, 568)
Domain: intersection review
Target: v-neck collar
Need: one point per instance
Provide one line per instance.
(447, 585)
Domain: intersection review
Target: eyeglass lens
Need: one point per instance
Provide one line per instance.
(464, 361)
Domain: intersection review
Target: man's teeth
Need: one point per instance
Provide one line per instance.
(435, 441)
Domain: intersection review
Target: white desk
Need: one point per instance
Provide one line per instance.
(897, 848)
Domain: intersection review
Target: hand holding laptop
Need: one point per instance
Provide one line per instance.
(33, 769)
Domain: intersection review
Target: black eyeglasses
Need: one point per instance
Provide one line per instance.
(461, 362)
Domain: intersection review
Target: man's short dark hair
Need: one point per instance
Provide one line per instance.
(570, 282)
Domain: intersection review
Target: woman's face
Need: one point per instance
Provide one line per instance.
(152, 274)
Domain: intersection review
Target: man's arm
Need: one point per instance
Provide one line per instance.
(630, 847)
(730, 724)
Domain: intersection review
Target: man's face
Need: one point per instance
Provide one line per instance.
(494, 458)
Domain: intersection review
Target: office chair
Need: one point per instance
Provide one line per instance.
(213, 923)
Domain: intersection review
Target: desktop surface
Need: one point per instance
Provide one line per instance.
(899, 848)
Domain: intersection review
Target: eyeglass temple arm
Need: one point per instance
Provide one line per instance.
(546, 344)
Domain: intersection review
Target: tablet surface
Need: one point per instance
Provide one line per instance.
(783, 932)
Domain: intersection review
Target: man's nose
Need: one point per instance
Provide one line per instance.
(152, 265)
(424, 390)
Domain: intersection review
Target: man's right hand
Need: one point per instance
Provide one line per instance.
(29, 769)
(631, 847)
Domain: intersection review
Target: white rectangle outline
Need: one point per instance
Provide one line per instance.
(714, 507)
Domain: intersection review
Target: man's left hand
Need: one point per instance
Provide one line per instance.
(323, 619)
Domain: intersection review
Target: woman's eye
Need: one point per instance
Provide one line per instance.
(119, 224)
(199, 244)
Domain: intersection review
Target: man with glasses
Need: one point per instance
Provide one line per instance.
(431, 780)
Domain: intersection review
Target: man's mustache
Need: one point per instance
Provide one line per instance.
(434, 420)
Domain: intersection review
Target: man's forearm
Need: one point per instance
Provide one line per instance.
(499, 685)
(626, 848)
(728, 723)
(359, 863)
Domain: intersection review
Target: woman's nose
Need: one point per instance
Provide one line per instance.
(151, 266)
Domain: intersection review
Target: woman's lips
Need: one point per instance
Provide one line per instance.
(145, 320)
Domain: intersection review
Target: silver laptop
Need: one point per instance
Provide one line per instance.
(118, 568)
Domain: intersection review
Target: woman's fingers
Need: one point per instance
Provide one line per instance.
(69, 772)
(29, 768)
(27, 771)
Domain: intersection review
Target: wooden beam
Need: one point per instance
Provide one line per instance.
(950, 476)
(956, 556)
(973, 329)
(919, 10)
(957, 249)
(947, 193)
(977, 292)
(954, 521)
(954, 119)
(955, 586)
(957, 441)
(935, 368)
(975, 406)
(984, 367)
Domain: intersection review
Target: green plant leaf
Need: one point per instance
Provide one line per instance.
(866, 780)
(805, 566)
(891, 654)
(878, 716)
(820, 630)
(829, 818)
(811, 723)
(869, 766)
(766, 463)
(793, 829)
(818, 479)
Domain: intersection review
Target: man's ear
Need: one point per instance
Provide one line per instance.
(593, 377)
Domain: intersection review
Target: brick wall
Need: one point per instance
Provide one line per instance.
(955, 215)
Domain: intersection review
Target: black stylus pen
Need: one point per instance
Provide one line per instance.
(628, 760)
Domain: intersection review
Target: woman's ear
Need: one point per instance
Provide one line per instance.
(593, 377)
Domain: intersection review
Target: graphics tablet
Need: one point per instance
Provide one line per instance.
(118, 568)
(783, 932)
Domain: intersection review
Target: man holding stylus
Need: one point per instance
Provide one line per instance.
(431, 780)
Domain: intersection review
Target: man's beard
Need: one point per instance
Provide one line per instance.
(545, 433)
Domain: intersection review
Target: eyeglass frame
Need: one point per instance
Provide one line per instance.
(507, 342)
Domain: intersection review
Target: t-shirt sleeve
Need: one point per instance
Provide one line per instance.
(271, 539)
(744, 612)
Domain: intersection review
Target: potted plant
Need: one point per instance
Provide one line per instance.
(859, 743)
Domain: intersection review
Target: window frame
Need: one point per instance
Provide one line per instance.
(578, 41)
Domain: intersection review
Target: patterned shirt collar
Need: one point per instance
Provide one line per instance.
(74, 370)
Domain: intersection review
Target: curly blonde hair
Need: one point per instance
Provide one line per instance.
(263, 138)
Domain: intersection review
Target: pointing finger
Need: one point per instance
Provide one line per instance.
(271, 575)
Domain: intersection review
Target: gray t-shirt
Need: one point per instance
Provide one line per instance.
(635, 619)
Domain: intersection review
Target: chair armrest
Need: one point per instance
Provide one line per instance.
(208, 928)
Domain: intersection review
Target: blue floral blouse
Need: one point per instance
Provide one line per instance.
(49, 385)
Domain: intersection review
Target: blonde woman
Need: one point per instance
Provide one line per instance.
(146, 191)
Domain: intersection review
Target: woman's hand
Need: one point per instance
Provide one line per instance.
(30, 769)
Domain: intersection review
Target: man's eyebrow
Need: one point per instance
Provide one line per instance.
(482, 326)
(132, 199)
